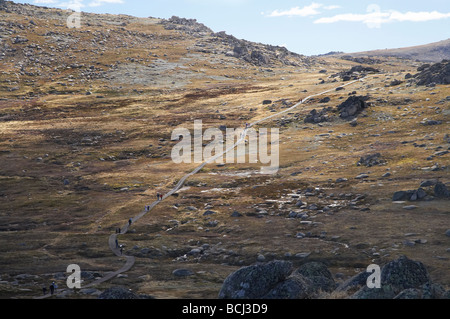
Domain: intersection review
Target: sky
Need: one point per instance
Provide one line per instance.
(308, 27)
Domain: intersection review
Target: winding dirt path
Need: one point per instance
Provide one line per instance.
(130, 260)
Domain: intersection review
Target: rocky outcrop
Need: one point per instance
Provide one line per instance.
(356, 72)
(402, 278)
(396, 277)
(371, 160)
(352, 106)
(321, 116)
(438, 73)
(255, 281)
(257, 53)
(190, 26)
(439, 190)
(277, 280)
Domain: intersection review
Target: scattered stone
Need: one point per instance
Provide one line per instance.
(428, 183)
(236, 214)
(371, 160)
(182, 272)
(441, 191)
(302, 255)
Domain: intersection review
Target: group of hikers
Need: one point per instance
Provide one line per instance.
(52, 287)
(159, 197)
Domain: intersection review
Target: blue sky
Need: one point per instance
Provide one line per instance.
(304, 26)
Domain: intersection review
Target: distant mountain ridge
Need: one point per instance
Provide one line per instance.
(432, 52)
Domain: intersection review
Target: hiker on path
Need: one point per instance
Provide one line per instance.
(52, 289)
(54, 285)
(44, 290)
(121, 249)
(117, 243)
(130, 221)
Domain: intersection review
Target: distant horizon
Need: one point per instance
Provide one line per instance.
(347, 27)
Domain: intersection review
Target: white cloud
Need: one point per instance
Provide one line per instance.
(97, 3)
(376, 18)
(45, 1)
(77, 4)
(297, 11)
(332, 7)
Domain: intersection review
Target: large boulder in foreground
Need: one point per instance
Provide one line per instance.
(397, 276)
(277, 280)
(402, 278)
(255, 281)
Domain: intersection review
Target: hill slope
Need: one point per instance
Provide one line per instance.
(433, 52)
(86, 123)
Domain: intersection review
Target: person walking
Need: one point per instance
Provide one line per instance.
(52, 289)
(117, 243)
(121, 249)
(130, 221)
(44, 290)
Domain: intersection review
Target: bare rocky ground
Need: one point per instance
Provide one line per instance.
(86, 117)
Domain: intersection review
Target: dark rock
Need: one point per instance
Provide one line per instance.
(410, 293)
(319, 274)
(267, 102)
(432, 291)
(431, 122)
(421, 193)
(438, 73)
(396, 276)
(354, 283)
(404, 273)
(299, 203)
(352, 106)
(428, 183)
(315, 117)
(182, 272)
(255, 281)
(395, 83)
(441, 191)
(294, 287)
(371, 160)
(209, 212)
(236, 214)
